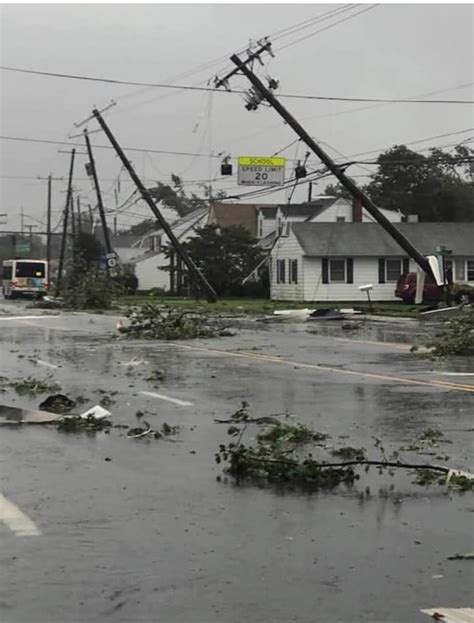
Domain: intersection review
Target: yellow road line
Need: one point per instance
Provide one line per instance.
(323, 368)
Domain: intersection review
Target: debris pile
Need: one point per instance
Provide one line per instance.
(155, 322)
(456, 337)
(139, 432)
(33, 386)
(277, 457)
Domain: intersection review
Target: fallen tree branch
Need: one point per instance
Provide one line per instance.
(436, 468)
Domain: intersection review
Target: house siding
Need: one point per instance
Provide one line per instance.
(287, 248)
(365, 272)
(147, 271)
(342, 208)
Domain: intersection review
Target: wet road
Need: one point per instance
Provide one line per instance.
(152, 536)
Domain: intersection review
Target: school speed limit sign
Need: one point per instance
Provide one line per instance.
(261, 171)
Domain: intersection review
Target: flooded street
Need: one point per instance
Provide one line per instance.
(142, 530)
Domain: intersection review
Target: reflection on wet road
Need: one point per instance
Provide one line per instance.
(151, 535)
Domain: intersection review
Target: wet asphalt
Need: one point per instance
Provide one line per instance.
(150, 534)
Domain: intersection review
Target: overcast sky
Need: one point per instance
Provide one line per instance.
(391, 51)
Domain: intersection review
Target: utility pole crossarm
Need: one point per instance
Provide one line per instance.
(336, 170)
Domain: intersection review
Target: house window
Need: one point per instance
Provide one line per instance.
(281, 269)
(459, 270)
(337, 270)
(470, 270)
(286, 229)
(260, 229)
(279, 225)
(293, 270)
(340, 219)
(393, 270)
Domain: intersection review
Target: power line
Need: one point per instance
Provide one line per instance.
(232, 91)
(369, 8)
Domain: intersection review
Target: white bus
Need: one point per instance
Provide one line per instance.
(21, 277)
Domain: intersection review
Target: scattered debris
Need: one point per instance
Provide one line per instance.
(274, 458)
(455, 338)
(97, 412)
(58, 403)
(16, 415)
(154, 322)
(227, 333)
(469, 556)
(351, 454)
(146, 430)
(107, 401)
(79, 423)
(451, 615)
(33, 386)
(156, 376)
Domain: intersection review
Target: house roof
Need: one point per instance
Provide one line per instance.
(190, 219)
(234, 214)
(309, 210)
(370, 239)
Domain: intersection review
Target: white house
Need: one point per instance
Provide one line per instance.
(329, 261)
(148, 258)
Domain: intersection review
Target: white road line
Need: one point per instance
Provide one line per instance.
(40, 362)
(182, 403)
(27, 317)
(15, 519)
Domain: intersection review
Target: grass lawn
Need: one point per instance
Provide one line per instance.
(265, 306)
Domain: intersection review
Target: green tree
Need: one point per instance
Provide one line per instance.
(436, 187)
(225, 257)
(337, 190)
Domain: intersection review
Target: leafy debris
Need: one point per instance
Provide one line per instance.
(58, 403)
(350, 454)
(34, 386)
(147, 431)
(155, 322)
(455, 338)
(77, 424)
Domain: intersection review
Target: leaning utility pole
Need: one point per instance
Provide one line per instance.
(260, 93)
(198, 276)
(100, 205)
(48, 229)
(65, 220)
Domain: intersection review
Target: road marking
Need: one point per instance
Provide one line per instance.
(15, 519)
(373, 343)
(27, 317)
(182, 403)
(322, 368)
(46, 364)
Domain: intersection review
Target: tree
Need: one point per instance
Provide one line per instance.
(174, 197)
(337, 190)
(435, 187)
(224, 256)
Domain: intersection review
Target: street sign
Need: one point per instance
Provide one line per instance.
(22, 247)
(261, 171)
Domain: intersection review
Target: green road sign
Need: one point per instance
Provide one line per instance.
(22, 247)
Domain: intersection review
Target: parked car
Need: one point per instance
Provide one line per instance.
(406, 289)
(432, 293)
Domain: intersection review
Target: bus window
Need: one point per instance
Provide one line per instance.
(7, 272)
(30, 269)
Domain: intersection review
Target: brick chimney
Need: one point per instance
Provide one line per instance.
(356, 211)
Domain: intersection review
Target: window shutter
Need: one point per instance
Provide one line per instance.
(406, 265)
(381, 270)
(325, 270)
(350, 270)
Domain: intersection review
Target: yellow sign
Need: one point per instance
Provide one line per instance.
(261, 161)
